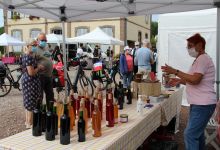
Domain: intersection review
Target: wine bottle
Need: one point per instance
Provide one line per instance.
(129, 96)
(37, 128)
(50, 124)
(73, 97)
(43, 118)
(55, 119)
(100, 104)
(85, 113)
(121, 98)
(140, 105)
(115, 112)
(78, 102)
(109, 112)
(116, 92)
(65, 127)
(96, 120)
(88, 104)
(81, 128)
(71, 114)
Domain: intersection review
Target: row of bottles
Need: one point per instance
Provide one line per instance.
(79, 106)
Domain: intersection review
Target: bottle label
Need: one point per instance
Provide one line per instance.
(107, 122)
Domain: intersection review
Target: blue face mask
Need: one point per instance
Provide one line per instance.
(42, 44)
(34, 49)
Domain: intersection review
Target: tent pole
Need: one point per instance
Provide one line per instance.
(64, 61)
(218, 52)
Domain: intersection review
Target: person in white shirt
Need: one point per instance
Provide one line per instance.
(80, 50)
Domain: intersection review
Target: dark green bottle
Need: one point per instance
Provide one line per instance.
(50, 124)
(81, 128)
(65, 127)
(56, 119)
(43, 118)
(37, 130)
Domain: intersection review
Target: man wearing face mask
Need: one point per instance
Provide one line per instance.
(46, 75)
(201, 95)
(133, 53)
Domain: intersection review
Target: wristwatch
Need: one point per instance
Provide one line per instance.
(177, 71)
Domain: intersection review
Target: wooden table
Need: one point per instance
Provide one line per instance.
(127, 136)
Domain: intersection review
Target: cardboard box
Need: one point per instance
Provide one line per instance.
(146, 88)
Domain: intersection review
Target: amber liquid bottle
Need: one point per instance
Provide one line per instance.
(71, 115)
(81, 128)
(56, 119)
(78, 102)
(50, 124)
(65, 127)
(37, 128)
(43, 118)
(73, 97)
(88, 104)
(115, 112)
(100, 104)
(109, 111)
(96, 120)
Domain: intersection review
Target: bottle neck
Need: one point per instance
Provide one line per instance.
(81, 114)
(65, 109)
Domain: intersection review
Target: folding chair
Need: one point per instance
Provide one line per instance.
(211, 133)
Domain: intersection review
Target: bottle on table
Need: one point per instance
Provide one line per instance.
(56, 119)
(120, 96)
(115, 112)
(43, 118)
(140, 105)
(129, 96)
(81, 128)
(85, 113)
(88, 104)
(37, 128)
(71, 114)
(100, 103)
(50, 124)
(109, 111)
(96, 120)
(65, 127)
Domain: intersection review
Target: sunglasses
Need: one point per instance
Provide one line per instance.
(43, 40)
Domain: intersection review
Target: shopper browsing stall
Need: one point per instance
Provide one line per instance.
(126, 67)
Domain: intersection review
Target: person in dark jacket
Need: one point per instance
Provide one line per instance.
(126, 67)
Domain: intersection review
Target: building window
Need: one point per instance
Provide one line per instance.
(146, 36)
(18, 35)
(56, 30)
(109, 30)
(139, 37)
(81, 31)
(34, 33)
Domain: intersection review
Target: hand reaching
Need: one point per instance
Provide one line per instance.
(168, 69)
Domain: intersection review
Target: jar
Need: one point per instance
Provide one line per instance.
(123, 118)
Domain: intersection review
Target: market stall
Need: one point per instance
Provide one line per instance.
(128, 135)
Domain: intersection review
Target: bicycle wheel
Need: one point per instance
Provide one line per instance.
(117, 77)
(86, 85)
(103, 80)
(5, 86)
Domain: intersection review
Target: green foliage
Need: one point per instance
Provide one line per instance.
(154, 29)
(154, 32)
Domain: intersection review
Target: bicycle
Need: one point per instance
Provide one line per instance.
(8, 81)
(107, 76)
(84, 81)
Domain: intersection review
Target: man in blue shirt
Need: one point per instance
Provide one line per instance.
(144, 59)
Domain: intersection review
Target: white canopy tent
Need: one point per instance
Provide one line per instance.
(175, 28)
(57, 39)
(7, 40)
(73, 10)
(96, 36)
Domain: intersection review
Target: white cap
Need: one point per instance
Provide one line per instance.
(126, 48)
